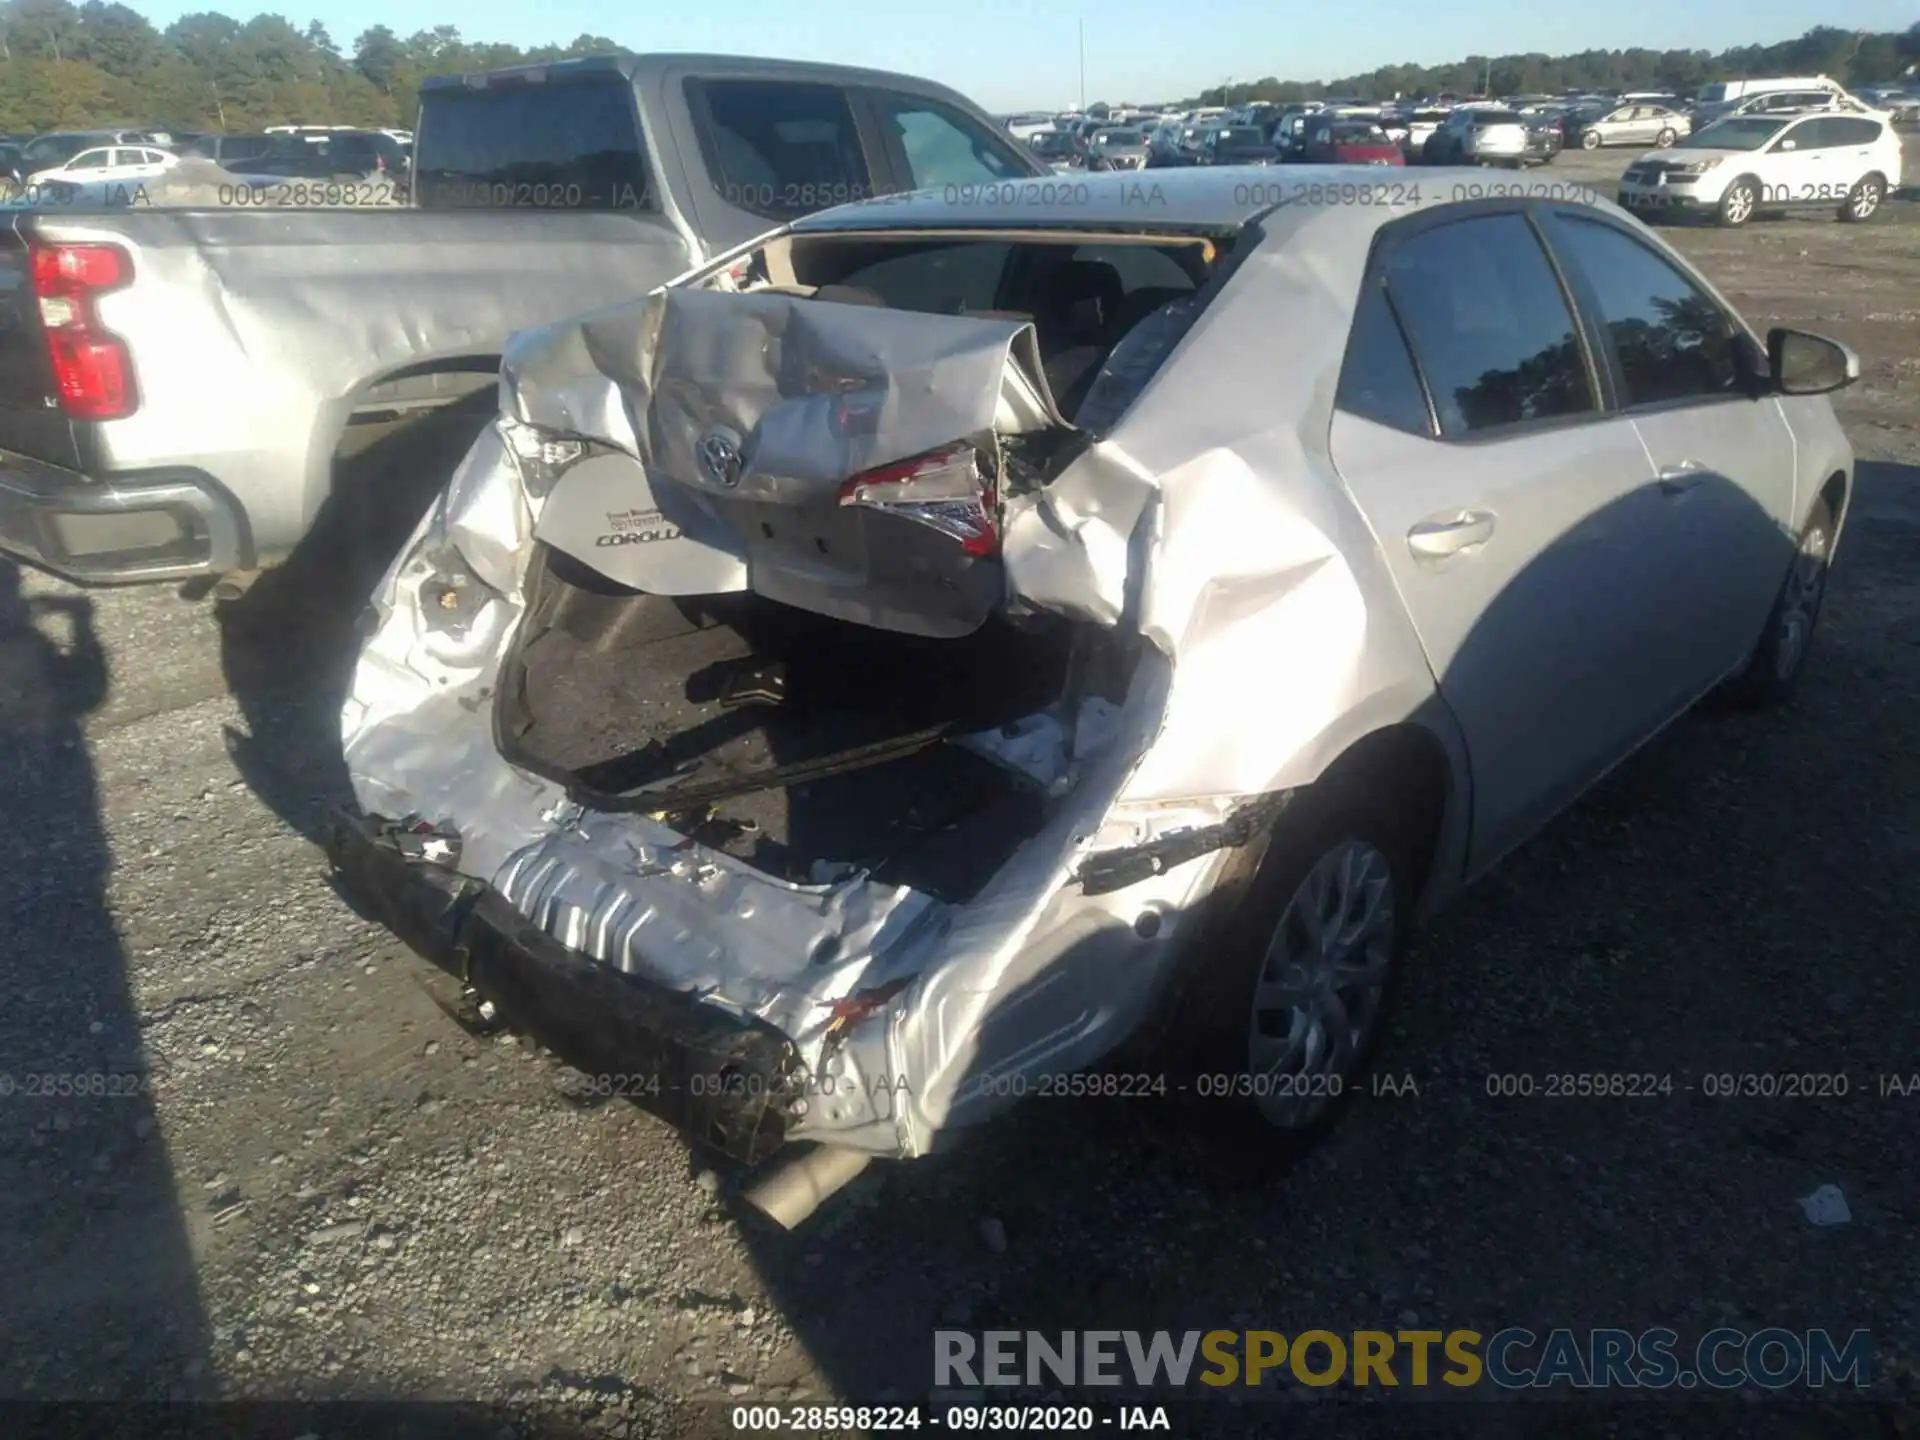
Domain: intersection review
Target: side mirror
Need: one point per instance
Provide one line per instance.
(1806, 364)
(1786, 145)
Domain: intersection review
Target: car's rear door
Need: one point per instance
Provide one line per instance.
(1514, 512)
(1723, 456)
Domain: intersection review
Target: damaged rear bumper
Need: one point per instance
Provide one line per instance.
(725, 1080)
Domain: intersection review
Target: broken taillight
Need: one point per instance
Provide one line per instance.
(943, 489)
(92, 370)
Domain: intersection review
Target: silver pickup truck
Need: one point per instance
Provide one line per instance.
(175, 383)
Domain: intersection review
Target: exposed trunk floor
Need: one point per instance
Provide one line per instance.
(618, 690)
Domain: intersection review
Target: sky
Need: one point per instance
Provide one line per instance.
(1020, 54)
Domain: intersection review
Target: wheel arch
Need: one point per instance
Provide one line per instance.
(1834, 494)
(1413, 762)
(420, 386)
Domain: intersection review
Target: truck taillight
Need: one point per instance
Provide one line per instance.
(91, 367)
(943, 488)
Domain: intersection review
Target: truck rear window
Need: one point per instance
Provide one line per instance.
(566, 146)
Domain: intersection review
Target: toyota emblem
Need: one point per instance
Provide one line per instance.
(720, 456)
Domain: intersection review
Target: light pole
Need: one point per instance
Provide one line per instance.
(1083, 66)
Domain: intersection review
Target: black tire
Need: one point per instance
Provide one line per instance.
(1773, 672)
(1665, 139)
(1863, 201)
(1212, 1027)
(1738, 203)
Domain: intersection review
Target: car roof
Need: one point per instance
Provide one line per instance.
(1205, 198)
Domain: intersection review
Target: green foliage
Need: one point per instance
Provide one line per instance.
(1853, 57)
(102, 64)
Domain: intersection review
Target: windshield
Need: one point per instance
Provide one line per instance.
(1712, 94)
(1359, 135)
(1053, 142)
(1496, 117)
(1117, 137)
(1240, 137)
(1743, 132)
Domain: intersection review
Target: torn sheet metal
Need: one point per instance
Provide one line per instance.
(744, 416)
(807, 392)
(1068, 546)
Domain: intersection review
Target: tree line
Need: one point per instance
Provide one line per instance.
(1850, 56)
(102, 64)
(67, 67)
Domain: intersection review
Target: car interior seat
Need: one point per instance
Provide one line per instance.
(1077, 316)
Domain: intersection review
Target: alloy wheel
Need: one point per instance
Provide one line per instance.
(1800, 602)
(1319, 995)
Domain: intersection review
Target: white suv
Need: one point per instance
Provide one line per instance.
(1478, 134)
(1749, 163)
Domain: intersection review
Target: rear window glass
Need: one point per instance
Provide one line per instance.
(955, 279)
(573, 145)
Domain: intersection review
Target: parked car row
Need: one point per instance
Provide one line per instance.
(131, 156)
(1452, 129)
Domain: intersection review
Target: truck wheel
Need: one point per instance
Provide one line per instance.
(1738, 204)
(1863, 201)
(1278, 1033)
(1774, 670)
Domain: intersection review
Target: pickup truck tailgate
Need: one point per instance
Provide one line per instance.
(31, 424)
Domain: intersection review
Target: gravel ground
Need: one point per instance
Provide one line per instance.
(318, 1186)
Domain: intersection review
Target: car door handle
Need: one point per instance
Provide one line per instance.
(1439, 536)
(1678, 479)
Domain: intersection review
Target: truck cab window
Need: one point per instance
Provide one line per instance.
(942, 147)
(777, 148)
(572, 145)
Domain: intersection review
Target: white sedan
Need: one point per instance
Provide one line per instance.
(938, 644)
(109, 162)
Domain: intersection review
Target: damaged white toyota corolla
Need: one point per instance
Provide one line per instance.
(871, 678)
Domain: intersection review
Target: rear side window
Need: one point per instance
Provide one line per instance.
(942, 146)
(779, 149)
(1846, 130)
(1673, 341)
(1378, 380)
(1489, 325)
(571, 145)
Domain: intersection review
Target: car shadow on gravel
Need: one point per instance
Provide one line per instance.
(99, 1298)
(1667, 925)
(288, 645)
